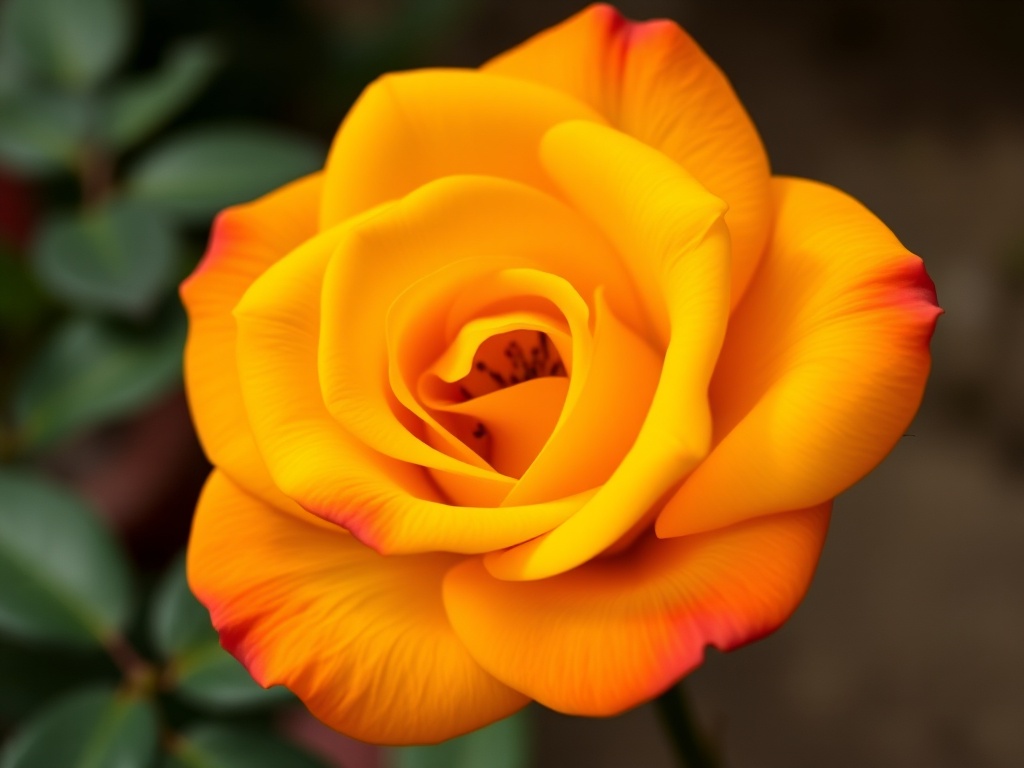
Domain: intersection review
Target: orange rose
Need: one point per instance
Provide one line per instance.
(541, 386)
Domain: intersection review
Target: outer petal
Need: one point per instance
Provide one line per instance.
(362, 639)
(414, 127)
(823, 367)
(245, 241)
(619, 630)
(652, 81)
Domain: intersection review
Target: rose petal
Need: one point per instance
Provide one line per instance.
(389, 505)
(246, 240)
(464, 226)
(652, 81)
(411, 128)
(362, 639)
(605, 406)
(518, 420)
(670, 233)
(617, 631)
(823, 367)
(415, 324)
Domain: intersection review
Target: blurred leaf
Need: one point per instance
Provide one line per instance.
(94, 728)
(40, 132)
(32, 675)
(505, 744)
(212, 679)
(22, 304)
(178, 623)
(92, 371)
(202, 672)
(117, 258)
(138, 107)
(72, 43)
(219, 746)
(64, 578)
(196, 174)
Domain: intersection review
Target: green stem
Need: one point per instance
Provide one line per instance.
(139, 675)
(677, 716)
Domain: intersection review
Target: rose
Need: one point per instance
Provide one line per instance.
(541, 386)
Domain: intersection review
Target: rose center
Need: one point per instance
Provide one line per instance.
(508, 359)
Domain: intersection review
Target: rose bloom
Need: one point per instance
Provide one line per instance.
(542, 385)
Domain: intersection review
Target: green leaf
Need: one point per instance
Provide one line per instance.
(195, 174)
(40, 132)
(178, 623)
(94, 728)
(34, 674)
(505, 744)
(219, 746)
(91, 371)
(22, 303)
(118, 258)
(202, 672)
(137, 108)
(71, 43)
(64, 578)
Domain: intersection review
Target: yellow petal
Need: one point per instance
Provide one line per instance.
(518, 420)
(617, 631)
(246, 240)
(458, 228)
(669, 231)
(410, 128)
(362, 639)
(823, 367)
(389, 505)
(652, 81)
(605, 406)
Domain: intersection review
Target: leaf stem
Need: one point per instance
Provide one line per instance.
(95, 174)
(690, 744)
(139, 675)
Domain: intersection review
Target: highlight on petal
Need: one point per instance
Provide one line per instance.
(362, 639)
(246, 240)
(410, 128)
(823, 367)
(619, 630)
(653, 82)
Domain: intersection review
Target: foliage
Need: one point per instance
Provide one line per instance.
(109, 185)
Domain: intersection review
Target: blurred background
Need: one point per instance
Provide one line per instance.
(124, 126)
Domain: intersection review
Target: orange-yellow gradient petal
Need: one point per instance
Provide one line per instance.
(245, 241)
(362, 639)
(823, 367)
(414, 127)
(619, 630)
(652, 81)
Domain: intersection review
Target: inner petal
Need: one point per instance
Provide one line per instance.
(504, 397)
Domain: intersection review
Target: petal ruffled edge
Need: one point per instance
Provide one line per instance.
(823, 367)
(246, 240)
(363, 640)
(620, 630)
